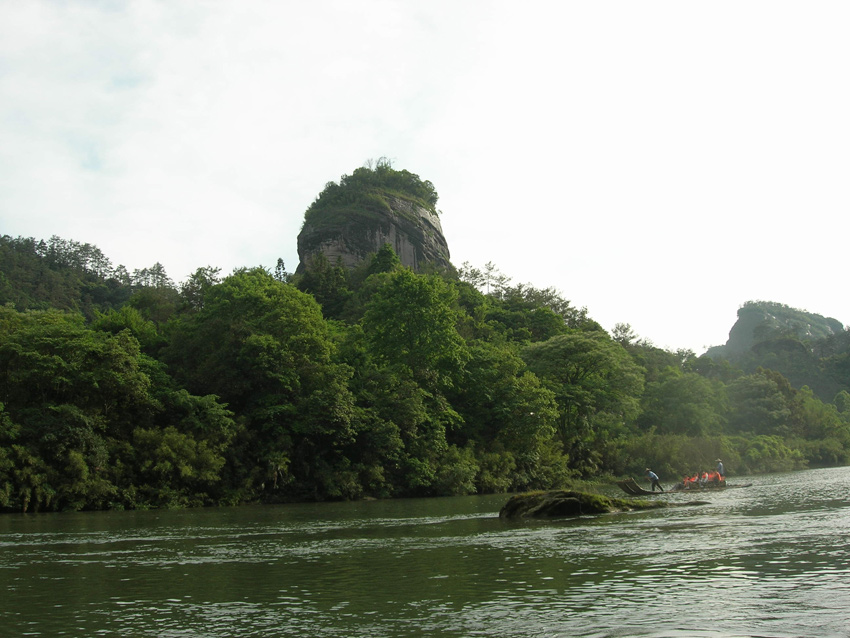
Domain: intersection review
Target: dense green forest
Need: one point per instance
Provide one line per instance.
(126, 390)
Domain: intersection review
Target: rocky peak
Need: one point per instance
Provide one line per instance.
(372, 207)
(760, 321)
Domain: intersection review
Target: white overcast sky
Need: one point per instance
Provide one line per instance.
(659, 163)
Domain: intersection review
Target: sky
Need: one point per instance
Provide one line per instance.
(658, 163)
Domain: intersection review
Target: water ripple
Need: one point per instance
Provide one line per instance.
(770, 560)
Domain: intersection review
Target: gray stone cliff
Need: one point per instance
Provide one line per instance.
(413, 231)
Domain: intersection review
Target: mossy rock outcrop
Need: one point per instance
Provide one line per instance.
(560, 503)
(353, 219)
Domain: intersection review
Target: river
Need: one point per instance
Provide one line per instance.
(769, 560)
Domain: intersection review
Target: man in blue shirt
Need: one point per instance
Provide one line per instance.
(654, 478)
(720, 469)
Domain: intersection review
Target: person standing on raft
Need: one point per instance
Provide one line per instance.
(653, 477)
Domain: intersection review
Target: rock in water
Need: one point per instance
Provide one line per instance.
(558, 503)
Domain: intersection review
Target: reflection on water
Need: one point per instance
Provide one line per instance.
(769, 560)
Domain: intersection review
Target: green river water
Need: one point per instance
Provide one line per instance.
(770, 560)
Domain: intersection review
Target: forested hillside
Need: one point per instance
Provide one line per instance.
(124, 390)
(807, 348)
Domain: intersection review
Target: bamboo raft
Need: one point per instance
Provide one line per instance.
(630, 486)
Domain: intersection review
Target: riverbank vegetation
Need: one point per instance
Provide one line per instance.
(126, 390)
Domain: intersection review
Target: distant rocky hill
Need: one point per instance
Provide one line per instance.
(369, 208)
(760, 321)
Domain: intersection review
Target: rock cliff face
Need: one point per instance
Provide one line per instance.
(352, 232)
(763, 320)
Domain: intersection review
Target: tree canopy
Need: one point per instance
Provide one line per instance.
(122, 390)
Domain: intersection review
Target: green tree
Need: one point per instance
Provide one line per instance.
(175, 468)
(502, 403)
(794, 359)
(682, 403)
(60, 274)
(411, 322)
(769, 453)
(385, 260)
(128, 318)
(156, 303)
(826, 433)
(842, 402)
(195, 288)
(272, 364)
(9, 432)
(327, 283)
(595, 383)
(71, 390)
(758, 406)
(507, 415)
(280, 272)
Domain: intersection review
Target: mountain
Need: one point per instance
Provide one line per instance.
(806, 348)
(373, 206)
(760, 321)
